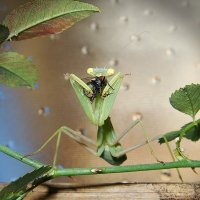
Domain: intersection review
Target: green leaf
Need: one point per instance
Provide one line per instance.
(38, 17)
(16, 70)
(4, 33)
(191, 131)
(19, 188)
(187, 99)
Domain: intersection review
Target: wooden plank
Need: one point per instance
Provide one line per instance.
(119, 191)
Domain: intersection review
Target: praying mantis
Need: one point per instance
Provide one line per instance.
(97, 98)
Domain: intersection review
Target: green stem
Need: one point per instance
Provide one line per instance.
(130, 168)
(20, 157)
(173, 158)
(101, 170)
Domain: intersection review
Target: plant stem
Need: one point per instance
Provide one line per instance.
(130, 168)
(18, 156)
(101, 170)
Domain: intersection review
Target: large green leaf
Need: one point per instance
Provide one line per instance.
(4, 33)
(187, 99)
(16, 70)
(19, 188)
(39, 17)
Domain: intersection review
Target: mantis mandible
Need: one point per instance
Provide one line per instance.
(97, 98)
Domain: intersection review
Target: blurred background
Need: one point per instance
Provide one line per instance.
(156, 41)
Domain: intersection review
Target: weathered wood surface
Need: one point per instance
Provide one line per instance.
(154, 191)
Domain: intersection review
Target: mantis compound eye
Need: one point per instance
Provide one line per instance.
(90, 70)
(110, 71)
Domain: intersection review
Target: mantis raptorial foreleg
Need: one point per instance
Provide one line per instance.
(104, 96)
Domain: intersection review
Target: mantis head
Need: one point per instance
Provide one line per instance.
(97, 72)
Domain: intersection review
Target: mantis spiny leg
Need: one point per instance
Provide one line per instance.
(148, 143)
(121, 135)
(132, 124)
(138, 145)
(126, 131)
(75, 135)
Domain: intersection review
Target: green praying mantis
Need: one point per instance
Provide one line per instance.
(97, 98)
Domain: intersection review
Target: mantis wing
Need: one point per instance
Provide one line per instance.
(78, 86)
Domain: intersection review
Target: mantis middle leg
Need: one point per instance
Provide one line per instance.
(84, 141)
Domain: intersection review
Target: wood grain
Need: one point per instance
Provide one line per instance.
(118, 191)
